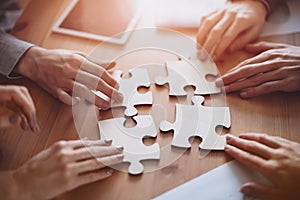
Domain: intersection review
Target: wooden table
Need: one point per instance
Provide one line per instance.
(275, 114)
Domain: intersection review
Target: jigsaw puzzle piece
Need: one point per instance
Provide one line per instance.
(198, 120)
(192, 72)
(132, 140)
(128, 87)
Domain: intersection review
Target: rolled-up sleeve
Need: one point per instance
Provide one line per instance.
(11, 51)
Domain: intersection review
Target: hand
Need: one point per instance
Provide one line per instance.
(61, 72)
(231, 28)
(275, 158)
(277, 68)
(18, 99)
(63, 167)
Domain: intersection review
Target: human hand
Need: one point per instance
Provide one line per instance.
(17, 99)
(277, 68)
(275, 158)
(63, 72)
(231, 28)
(65, 166)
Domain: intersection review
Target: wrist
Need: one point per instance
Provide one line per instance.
(264, 4)
(28, 65)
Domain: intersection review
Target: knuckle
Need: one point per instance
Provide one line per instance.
(251, 145)
(60, 145)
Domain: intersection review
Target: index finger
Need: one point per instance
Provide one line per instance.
(101, 72)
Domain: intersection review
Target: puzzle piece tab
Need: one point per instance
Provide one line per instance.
(132, 140)
(191, 72)
(198, 120)
(128, 87)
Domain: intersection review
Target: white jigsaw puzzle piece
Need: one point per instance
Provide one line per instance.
(193, 72)
(198, 120)
(128, 87)
(132, 140)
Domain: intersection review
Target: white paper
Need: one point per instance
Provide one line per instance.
(223, 182)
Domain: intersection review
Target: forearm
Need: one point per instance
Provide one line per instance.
(11, 51)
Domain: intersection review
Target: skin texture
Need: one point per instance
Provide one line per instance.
(64, 166)
(231, 28)
(61, 72)
(18, 100)
(275, 68)
(276, 158)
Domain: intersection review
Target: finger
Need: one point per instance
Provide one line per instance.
(9, 120)
(81, 53)
(77, 144)
(93, 82)
(251, 146)
(230, 35)
(96, 151)
(249, 70)
(243, 39)
(92, 177)
(207, 23)
(85, 93)
(250, 160)
(26, 105)
(95, 164)
(24, 124)
(263, 46)
(217, 31)
(253, 81)
(66, 98)
(260, 191)
(265, 139)
(100, 72)
(264, 88)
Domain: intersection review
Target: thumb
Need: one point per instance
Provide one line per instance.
(259, 191)
(7, 120)
(263, 46)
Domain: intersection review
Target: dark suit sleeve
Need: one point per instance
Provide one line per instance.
(11, 51)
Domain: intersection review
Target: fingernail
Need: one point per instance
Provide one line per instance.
(36, 128)
(120, 157)
(219, 82)
(105, 105)
(243, 94)
(226, 148)
(228, 137)
(26, 127)
(246, 190)
(75, 101)
(109, 171)
(120, 148)
(108, 141)
(202, 55)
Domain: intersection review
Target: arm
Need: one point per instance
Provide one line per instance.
(67, 164)
(11, 51)
(58, 71)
